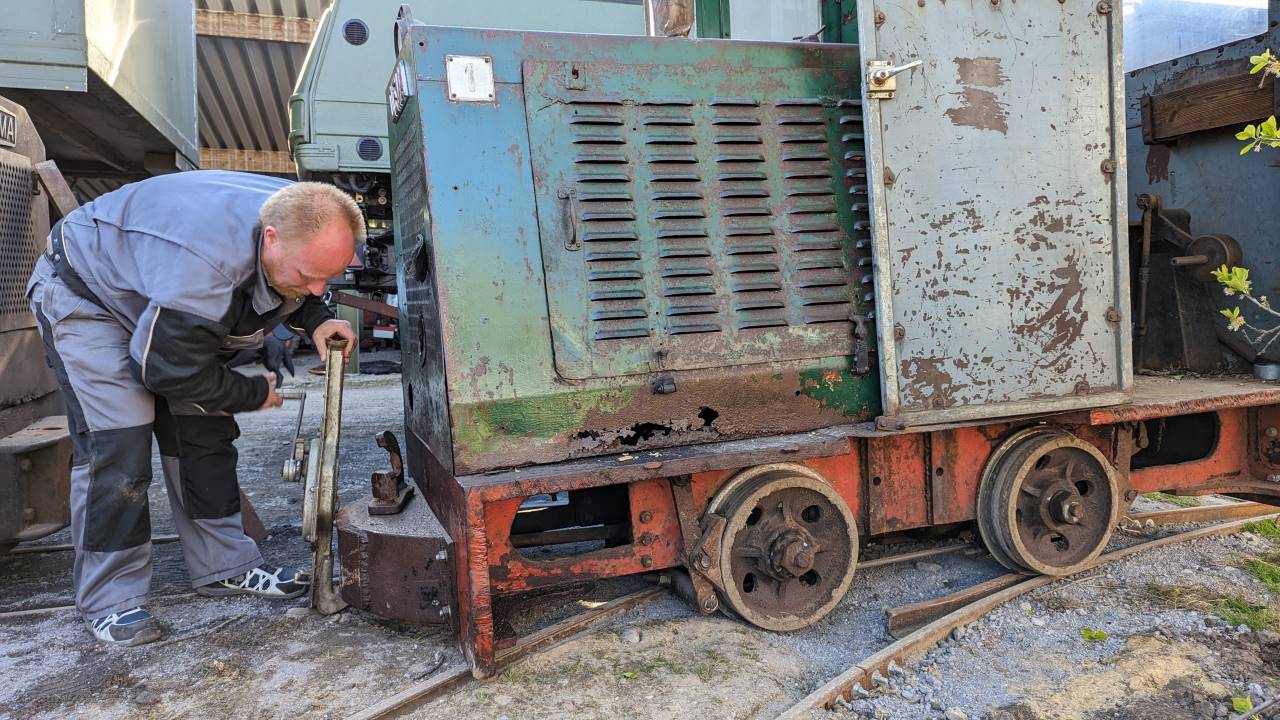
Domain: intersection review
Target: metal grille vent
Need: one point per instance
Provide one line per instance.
(355, 32)
(369, 148)
(854, 154)
(17, 248)
(742, 204)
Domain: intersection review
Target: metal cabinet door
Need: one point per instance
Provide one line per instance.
(997, 177)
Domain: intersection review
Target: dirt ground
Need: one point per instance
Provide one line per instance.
(1168, 652)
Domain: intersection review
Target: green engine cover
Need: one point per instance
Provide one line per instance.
(615, 244)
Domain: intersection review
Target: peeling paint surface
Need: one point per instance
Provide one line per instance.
(979, 106)
(999, 245)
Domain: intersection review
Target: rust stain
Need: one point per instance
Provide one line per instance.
(1158, 163)
(979, 108)
(1064, 319)
(984, 71)
(928, 378)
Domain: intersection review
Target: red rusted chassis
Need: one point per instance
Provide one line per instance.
(891, 481)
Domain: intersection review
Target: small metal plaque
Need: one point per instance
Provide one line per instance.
(399, 90)
(470, 78)
(8, 128)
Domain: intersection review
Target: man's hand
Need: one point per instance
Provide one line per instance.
(338, 329)
(273, 398)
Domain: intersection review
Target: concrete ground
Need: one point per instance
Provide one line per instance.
(1168, 651)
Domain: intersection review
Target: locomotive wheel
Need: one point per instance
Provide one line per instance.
(789, 547)
(1047, 503)
(987, 511)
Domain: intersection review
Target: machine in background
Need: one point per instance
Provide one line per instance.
(35, 448)
(337, 117)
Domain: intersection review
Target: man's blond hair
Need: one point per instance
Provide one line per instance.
(301, 210)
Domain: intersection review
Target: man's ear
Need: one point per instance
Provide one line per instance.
(270, 238)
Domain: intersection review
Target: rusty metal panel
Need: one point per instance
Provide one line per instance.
(998, 189)
(897, 485)
(35, 480)
(397, 566)
(484, 388)
(692, 224)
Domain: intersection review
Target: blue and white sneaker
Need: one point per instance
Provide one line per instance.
(127, 628)
(263, 581)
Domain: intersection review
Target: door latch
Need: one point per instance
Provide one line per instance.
(882, 79)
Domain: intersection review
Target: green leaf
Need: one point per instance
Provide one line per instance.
(1248, 133)
(1237, 279)
(1268, 127)
(1247, 148)
(1231, 314)
(1092, 635)
(1241, 704)
(631, 675)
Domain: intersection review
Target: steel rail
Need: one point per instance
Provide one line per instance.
(916, 644)
(1206, 513)
(455, 675)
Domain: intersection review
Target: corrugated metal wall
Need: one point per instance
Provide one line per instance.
(244, 85)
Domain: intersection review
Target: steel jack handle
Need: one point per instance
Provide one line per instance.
(324, 479)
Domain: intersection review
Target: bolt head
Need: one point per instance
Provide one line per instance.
(24, 464)
(646, 561)
(646, 516)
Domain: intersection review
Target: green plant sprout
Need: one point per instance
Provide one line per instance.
(1264, 133)
(1235, 282)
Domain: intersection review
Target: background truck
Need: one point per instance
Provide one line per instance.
(336, 113)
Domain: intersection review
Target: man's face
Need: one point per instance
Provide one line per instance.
(305, 266)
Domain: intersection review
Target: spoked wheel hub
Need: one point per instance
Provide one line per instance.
(789, 547)
(1047, 503)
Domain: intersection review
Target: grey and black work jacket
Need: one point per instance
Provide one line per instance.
(176, 259)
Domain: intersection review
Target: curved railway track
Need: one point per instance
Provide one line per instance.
(924, 624)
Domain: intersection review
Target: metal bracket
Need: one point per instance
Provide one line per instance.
(574, 78)
(50, 178)
(297, 461)
(701, 552)
(882, 81)
(390, 491)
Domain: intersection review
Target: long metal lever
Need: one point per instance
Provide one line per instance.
(324, 483)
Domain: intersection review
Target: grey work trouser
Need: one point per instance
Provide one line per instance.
(112, 417)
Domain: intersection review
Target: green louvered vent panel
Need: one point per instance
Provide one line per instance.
(699, 230)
